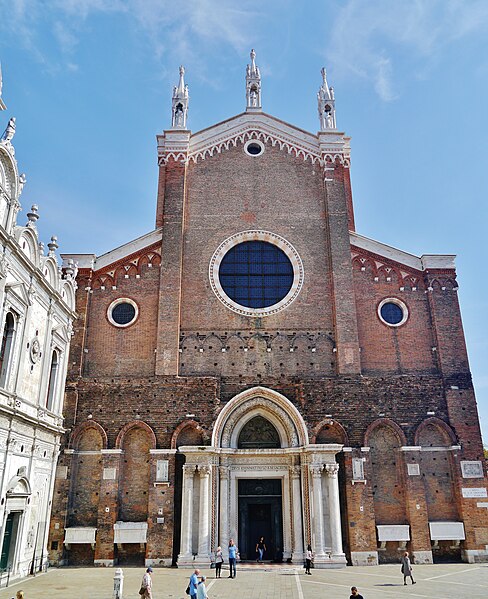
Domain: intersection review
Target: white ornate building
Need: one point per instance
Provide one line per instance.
(36, 315)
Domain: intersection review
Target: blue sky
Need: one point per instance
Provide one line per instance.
(90, 84)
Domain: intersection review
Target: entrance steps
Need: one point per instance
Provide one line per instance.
(250, 566)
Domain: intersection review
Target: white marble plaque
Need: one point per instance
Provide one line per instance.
(474, 492)
(109, 473)
(62, 472)
(358, 469)
(393, 532)
(130, 532)
(79, 534)
(472, 469)
(413, 469)
(162, 470)
(447, 531)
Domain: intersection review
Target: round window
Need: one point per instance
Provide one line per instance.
(254, 147)
(256, 273)
(393, 312)
(122, 312)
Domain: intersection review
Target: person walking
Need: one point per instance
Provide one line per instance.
(407, 568)
(308, 559)
(219, 560)
(146, 585)
(355, 593)
(194, 584)
(232, 558)
(260, 549)
(202, 589)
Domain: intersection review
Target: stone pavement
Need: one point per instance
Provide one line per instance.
(451, 581)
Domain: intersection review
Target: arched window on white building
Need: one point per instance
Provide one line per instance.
(6, 348)
(53, 376)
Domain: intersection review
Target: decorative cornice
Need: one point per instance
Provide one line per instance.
(333, 147)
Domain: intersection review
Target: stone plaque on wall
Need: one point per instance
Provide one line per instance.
(472, 469)
(472, 492)
(162, 470)
(109, 473)
(357, 469)
(413, 469)
(62, 472)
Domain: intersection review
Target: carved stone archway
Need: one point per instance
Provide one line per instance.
(304, 476)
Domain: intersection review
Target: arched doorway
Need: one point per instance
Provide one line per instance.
(261, 477)
(17, 499)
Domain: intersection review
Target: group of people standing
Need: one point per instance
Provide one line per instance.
(219, 560)
(197, 588)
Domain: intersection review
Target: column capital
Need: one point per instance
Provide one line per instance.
(295, 471)
(188, 470)
(331, 470)
(204, 470)
(224, 472)
(316, 470)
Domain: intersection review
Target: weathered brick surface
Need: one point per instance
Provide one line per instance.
(354, 380)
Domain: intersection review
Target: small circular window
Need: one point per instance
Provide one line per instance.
(393, 312)
(254, 147)
(122, 312)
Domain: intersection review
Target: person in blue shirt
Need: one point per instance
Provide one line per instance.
(194, 584)
(233, 553)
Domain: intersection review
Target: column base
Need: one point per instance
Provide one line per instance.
(337, 560)
(154, 562)
(185, 560)
(202, 560)
(475, 556)
(364, 558)
(422, 557)
(298, 557)
(104, 563)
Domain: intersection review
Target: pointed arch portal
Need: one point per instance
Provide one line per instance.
(261, 477)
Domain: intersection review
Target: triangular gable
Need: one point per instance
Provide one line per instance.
(262, 126)
(20, 291)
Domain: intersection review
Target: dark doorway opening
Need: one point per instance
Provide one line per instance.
(9, 540)
(178, 498)
(260, 515)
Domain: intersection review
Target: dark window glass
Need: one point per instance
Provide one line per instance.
(256, 274)
(391, 313)
(254, 149)
(123, 313)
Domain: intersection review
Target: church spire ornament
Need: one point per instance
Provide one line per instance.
(180, 103)
(326, 104)
(253, 86)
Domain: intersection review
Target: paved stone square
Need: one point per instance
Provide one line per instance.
(381, 582)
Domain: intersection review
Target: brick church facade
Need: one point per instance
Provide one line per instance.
(253, 366)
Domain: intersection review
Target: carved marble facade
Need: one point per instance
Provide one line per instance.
(214, 473)
(37, 300)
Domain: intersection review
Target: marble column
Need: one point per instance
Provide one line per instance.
(224, 510)
(317, 511)
(332, 482)
(187, 515)
(296, 503)
(203, 516)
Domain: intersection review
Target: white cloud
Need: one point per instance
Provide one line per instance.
(173, 29)
(365, 35)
